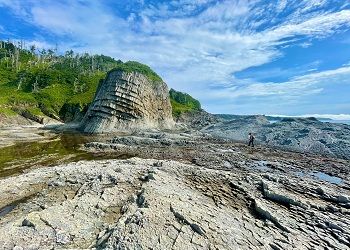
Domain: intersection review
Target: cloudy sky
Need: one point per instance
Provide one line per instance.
(287, 57)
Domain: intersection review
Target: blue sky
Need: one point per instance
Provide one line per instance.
(288, 57)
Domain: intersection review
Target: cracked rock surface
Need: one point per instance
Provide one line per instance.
(238, 202)
(297, 134)
(211, 195)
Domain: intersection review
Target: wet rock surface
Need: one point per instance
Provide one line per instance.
(184, 191)
(300, 134)
(10, 135)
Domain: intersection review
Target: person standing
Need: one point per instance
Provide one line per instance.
(251, 140)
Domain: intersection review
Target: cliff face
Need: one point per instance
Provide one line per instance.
(127, 101)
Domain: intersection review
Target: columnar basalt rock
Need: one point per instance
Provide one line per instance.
(127, 101)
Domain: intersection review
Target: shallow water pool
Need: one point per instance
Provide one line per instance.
(326, 177)
(62, 148)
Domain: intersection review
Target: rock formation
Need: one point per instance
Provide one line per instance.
(127, 101)
(199, 193)
(300, 134)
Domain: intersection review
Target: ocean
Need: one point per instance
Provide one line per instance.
(337, 121)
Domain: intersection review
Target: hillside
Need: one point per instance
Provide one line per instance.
(38, 83)
(182, 103)
(44, 83)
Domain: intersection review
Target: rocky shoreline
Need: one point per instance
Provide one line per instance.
(137, 166)
(292, 134)
(183, 190)
(299, 134)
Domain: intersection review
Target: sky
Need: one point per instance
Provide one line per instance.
(289, 57)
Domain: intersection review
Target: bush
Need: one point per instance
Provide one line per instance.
(58, 85)
(132, 66)
(182, 102)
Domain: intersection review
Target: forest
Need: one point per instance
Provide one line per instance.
(38, 82)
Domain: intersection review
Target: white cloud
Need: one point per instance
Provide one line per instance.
(73, 19)
(16, 6)
(39, 44)
(195, 45)
(5, 32)
(321, 26)
(295, 88)
(281, 5)
(316, 77)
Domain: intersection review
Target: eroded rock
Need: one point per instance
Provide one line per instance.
(170, 202)
(127, 101)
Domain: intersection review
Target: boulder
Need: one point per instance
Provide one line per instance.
(126, 101)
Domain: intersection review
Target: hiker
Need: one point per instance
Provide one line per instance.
(251, 140)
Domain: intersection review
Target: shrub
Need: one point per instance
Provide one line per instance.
(182, 103)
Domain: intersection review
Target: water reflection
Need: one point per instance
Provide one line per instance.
(328, 178)
(62, 148)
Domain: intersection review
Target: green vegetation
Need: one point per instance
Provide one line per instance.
(141, 68)
(7, 112)
(182, 102)
(42, 82)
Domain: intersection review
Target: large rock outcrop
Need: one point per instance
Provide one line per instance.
(127, 101)
(297, 134)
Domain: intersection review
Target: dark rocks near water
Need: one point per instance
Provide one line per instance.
(28, 115)
(72, 112)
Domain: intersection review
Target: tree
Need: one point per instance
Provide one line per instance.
(35, 85)
(76, 86)
(21, 76)
(43, 54)
(32, 49)
(50, 53)
(69, 53)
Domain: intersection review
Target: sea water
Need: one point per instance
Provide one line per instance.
(338, 121)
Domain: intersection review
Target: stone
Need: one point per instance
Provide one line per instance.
(160, 200)
(62, 237)
(320, 191)
(332, 208)
(27, 223)
(283, 198)
(265, 213)
(343, 199)
(300, 134)
(126, 101)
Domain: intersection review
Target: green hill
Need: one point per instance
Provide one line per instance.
(182, 102)
(131, 66)
(42, 83)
